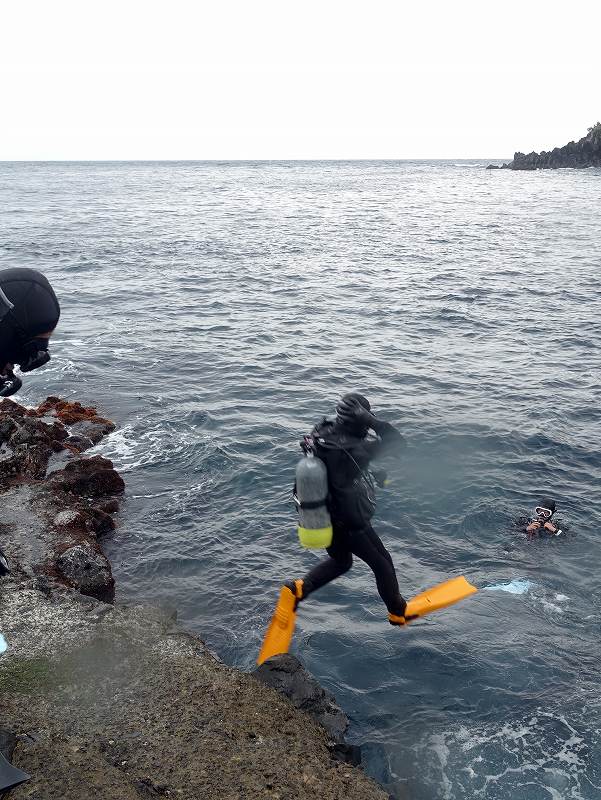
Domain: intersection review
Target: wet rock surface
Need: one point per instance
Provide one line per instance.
(86, 569)
(52, 518)
(114, 702)
(575, 155)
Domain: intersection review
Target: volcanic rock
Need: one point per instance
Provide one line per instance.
(286, 674)
(576, 155)
(91, 477)
(87, 570)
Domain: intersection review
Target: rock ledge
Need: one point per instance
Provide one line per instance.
(106, 701)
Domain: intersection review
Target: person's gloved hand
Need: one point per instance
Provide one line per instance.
(351, 412)
(380, 477)
(9, 383)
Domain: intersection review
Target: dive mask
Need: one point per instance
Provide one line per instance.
(543, 513)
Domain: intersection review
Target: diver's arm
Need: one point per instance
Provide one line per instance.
(554, 529)
(389, 440)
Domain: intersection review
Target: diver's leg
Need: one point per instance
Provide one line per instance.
(339, 561)
(367, 545)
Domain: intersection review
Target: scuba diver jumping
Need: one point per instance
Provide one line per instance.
(346, 447)
(29, 313)
(335, 499)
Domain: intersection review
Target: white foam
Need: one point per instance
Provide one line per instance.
(551, 753)
(516, 586)
(119, 446)
(442, 751)
(551, 606)
(129, 450)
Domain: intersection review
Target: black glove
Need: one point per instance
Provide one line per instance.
(380, 476)
(351, 412)
(9, 383)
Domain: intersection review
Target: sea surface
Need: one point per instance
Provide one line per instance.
(216, 311)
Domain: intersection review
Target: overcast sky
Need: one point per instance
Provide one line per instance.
(219, 79)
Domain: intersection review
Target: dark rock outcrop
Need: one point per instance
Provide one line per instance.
(52, 516)
(86, 569)
(286, 674)
(576, 155)
(90, 477)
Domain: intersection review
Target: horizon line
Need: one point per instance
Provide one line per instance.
(238, 160)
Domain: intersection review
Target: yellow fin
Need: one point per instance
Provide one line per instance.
(440, 596)
(279, 633)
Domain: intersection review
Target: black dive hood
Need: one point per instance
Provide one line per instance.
(28, 309)
(353, 428)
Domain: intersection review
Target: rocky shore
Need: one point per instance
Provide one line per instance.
(105, 701)
(584, 153)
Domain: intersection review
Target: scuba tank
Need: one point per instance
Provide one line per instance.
(310, 496)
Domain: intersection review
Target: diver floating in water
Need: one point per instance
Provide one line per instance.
(540, 521)
(335, 497)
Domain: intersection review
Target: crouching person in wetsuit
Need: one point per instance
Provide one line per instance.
(29, 313)
(346, 447)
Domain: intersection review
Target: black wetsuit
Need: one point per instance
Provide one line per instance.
(351, 504)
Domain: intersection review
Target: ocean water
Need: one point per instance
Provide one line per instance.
(216, 311)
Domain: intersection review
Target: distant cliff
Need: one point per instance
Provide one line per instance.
(584, 153)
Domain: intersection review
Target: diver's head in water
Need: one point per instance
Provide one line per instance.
(545, 509)
(353, 414)
(29, 313)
